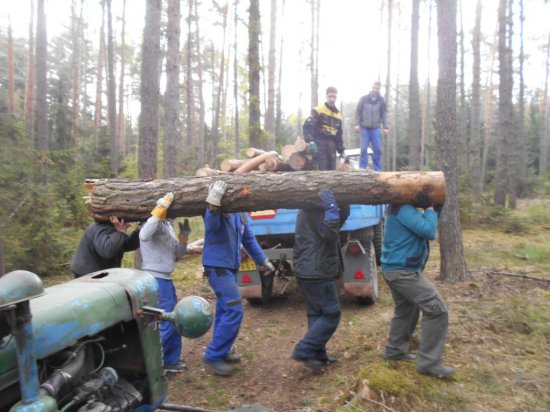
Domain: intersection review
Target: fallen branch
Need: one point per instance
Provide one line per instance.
(519, 275)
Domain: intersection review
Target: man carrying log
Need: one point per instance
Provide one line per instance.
(221, 257)
(323, 132)
(317, 264)
(405, 251)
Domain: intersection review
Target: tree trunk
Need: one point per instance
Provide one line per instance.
(149, 91)
(512, 142)
(252, 164)
(462, 135)
(30, 83)
(505, 113)
(386, 143)
(279, 111)
(475, 128)
(99, 79)
(11, 76)
(121, 123)
(189, 101)
(414, 97)
(201, 134)
(171, 94)
(134, 200)
(453, 265)
(41, 114)
(426, 107)
(522, 143)
(314, 52)
(236, 83)
(254, 30)
(75, 72)
(221, 88)
(2, 259)
(111, 92)
(543, 159)
(271, 67)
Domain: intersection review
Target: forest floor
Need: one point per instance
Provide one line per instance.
(499, 338)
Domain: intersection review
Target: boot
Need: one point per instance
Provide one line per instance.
(232, 357)
(439, 371)
(403, 356)
(220, 368)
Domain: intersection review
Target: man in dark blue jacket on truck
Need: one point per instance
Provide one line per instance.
(317, 265)
(405, 252)
(221, 257)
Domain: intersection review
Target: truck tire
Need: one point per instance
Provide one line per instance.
(370, 300)
(378, 238)
(267, 291)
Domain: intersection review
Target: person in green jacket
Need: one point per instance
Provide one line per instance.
(405, 251)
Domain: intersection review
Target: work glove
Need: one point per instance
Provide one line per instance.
(216, 192)
(422, 200)
(185, 229)
(267, 267)
(312, 148)
(332, 211)
(162, 206)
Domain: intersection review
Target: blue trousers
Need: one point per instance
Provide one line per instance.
(171, 339)
(323, 316)
(229, 312)
(371, 136)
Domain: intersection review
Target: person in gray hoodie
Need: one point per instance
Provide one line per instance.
(160, 248)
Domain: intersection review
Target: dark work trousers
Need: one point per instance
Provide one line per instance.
(229, 312)
(325, 158)
(412, 294)
(323, 316)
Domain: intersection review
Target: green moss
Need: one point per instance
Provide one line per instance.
(382, 378)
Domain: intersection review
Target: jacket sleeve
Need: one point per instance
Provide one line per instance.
(339, 141)
(384, 114)
(424, 225)
(149, 229)
(251, 245)
(108, 242)
(181, 249)
(315, 123)
(132, 241)
(212, 220)
(358, 110)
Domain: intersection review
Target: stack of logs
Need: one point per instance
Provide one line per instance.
(293, 157)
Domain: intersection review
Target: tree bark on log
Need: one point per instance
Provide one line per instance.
(134, 200)
(228, 165)
(254, 163)
(253, 152)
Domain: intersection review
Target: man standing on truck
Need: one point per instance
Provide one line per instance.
(370, 113)
(317, 265)
(221, 257)
(405, 252)
(323, 132)
(160, 248)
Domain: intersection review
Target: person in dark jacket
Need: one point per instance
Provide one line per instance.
(221, 257)
(102, 246)
(325, 138)
(317, 264)
(405, 251)
(370, 113)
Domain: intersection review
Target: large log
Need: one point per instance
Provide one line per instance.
(276, 164)
(298, 161)
(287, 151)
(253, 152)
(228, 165)
(134, 200)
(300, 145)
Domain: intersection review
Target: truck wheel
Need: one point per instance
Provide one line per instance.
(267, 291)
(378, 239)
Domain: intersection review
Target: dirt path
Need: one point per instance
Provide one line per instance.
(267, 375)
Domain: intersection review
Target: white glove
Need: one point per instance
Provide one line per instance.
(268, 267)
(216, 192)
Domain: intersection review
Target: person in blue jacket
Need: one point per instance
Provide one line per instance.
(221, 258)
(405, 251)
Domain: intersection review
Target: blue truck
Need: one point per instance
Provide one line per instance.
(360, 239)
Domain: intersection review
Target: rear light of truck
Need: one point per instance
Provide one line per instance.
(246, 278)
(354, 248)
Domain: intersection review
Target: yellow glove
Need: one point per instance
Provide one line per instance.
(162, 206)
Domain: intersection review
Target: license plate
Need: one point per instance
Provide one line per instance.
(247, 265)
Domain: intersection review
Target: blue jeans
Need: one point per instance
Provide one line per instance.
(171, 339)
(323, 316)
(371, 136)
(229, 312)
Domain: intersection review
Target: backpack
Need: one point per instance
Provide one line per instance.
(307, 129)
